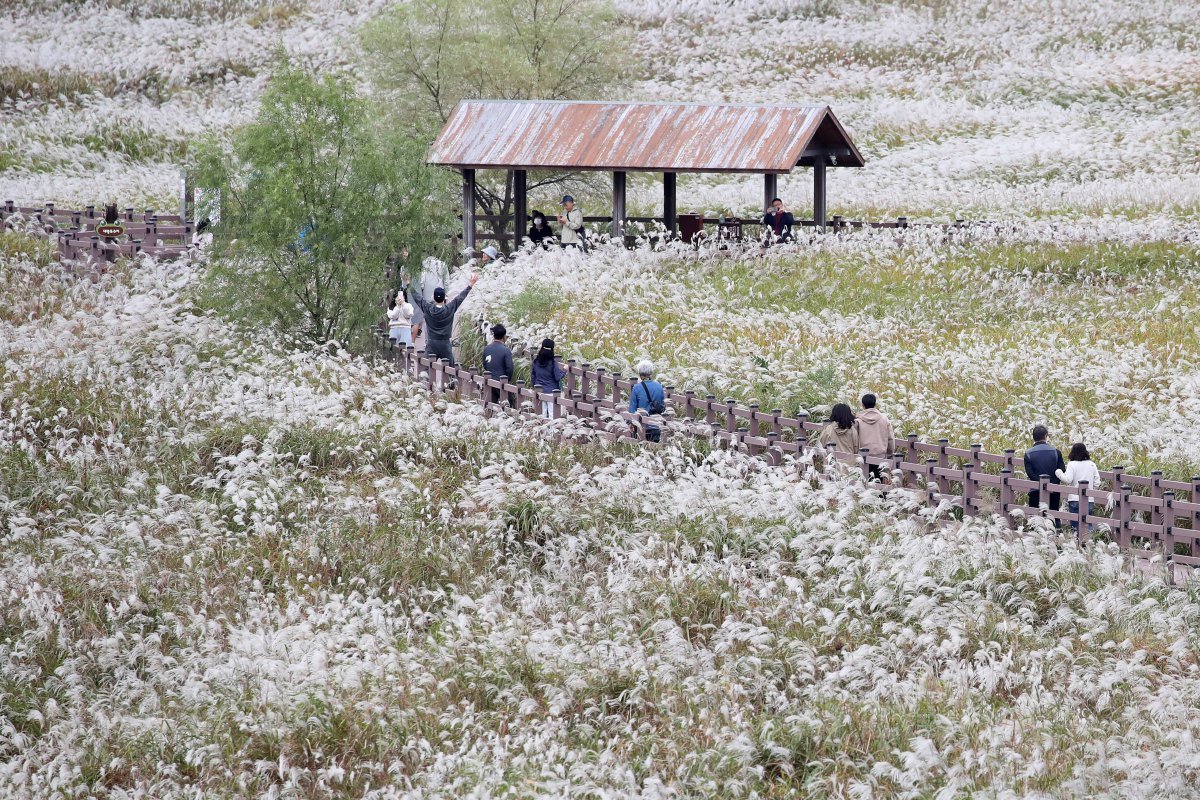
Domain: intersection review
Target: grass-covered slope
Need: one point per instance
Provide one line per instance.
(976, 338)
(242, 570)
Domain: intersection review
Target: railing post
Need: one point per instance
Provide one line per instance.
(1168, 536)
(968, 490)
(931, 492)
(1195, 498)
(616, 395)
(570, 387)
(1006, 495)
(863, 455)
(730, 419)
(1124, 535)
(774, 455)
(754, 419)
(943, 463)
(1010, 460)
(1081, 513)
(689, 401)
(1156, 492)
(585, 379)
(710, 412)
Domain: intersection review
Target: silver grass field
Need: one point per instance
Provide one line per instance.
(236, 565)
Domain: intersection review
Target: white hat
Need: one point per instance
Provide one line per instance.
(491, 252)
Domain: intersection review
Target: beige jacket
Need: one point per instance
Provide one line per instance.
(569, 233)
(875, 432)
(844, 440)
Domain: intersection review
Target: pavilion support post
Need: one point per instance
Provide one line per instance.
(520, 207)
(618, 221)
(468, 209)
(819, 196)
(670, 209)
(770, 190)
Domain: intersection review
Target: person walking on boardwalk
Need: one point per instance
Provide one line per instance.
(547, 373)
(497, 358)
(1043, 459)
(648, 395)
(439, 319)
(1080, 467)
(842, 430)
(875, 434)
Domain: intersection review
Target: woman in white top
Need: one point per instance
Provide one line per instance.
(400, 314)
(1080, 467)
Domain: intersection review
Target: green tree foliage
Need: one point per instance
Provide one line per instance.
(315, 197)
(429, 54)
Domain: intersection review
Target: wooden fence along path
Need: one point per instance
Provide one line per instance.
(726, 229)
(159, 235)
(1146, 516)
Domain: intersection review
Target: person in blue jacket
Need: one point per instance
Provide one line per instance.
(648, 395)
(547, 373)
(1043, 459)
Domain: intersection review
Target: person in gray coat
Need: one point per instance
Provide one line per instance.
(439, 319)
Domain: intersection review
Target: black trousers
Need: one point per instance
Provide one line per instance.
(440, 348)
(1055, 501)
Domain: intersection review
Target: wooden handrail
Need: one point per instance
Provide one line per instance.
(599, 398)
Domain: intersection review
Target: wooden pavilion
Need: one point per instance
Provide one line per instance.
(523, 135)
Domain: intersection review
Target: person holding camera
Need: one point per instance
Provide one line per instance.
(570, 233)
(779, 222)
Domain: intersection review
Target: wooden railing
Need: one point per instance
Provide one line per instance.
(158, 235)
(1146, 516)
(730, 227)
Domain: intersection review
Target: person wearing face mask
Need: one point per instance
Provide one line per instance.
(539, 232)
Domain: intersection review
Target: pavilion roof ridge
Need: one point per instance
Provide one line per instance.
(642, 136)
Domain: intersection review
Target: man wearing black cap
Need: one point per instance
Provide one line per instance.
(439, 319)
(497, 358)
(571, 220)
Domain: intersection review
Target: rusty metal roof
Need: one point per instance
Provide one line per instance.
(641, 137)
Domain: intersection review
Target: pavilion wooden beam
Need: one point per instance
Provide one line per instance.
(819, 195)
(468, 208)
(770, 190)
(618, 220)
(670, 208)
(520, 207)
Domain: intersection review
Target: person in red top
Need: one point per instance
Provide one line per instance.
(779, 221)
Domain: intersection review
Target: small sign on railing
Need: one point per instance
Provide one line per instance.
(110, 229)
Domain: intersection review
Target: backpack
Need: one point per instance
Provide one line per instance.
(656, 406)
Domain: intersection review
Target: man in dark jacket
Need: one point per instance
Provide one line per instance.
(779, 221)
(439, 319)
(1042, 459)
(497, 358)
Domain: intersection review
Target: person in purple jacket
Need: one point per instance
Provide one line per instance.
(547, 373)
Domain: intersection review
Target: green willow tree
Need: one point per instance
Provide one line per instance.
(426, 56)
(315, 196)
